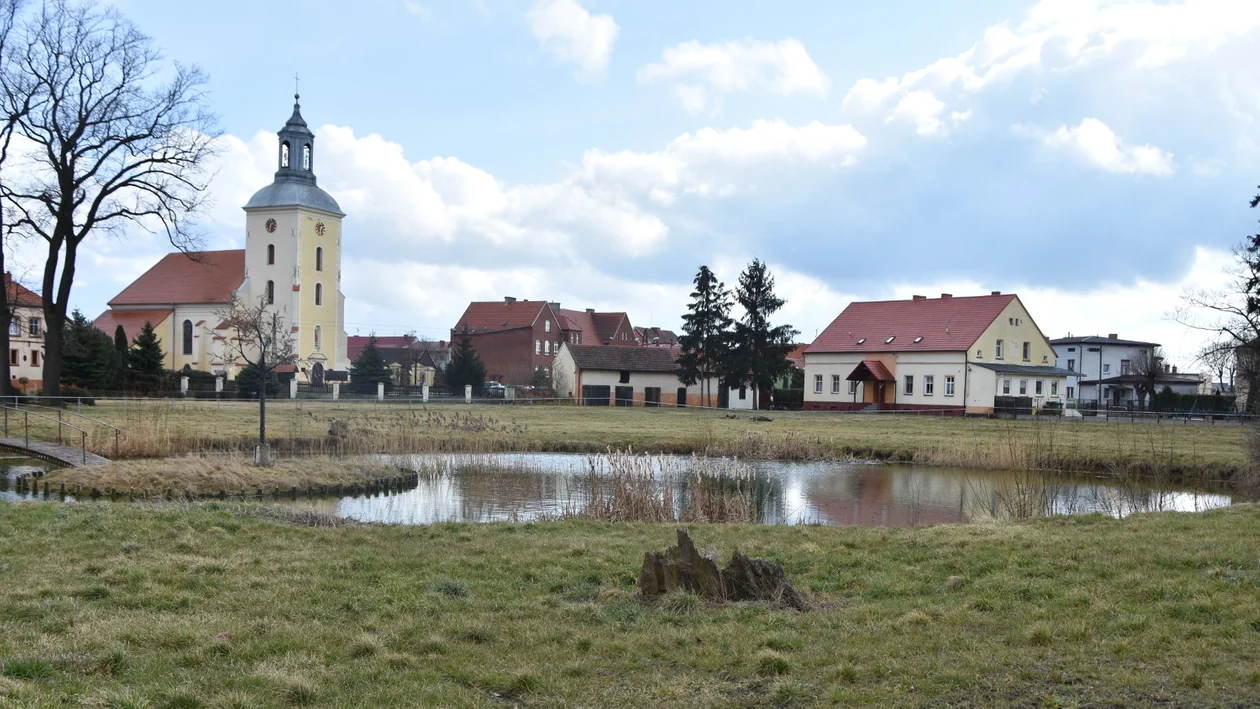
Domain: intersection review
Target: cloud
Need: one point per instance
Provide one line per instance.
(418, 10)
(1097, 145)
(703, 73)
(574, 35)
(1056, 36)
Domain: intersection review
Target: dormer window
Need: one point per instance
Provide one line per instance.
(306, 157)
(890, 339)
(284, 154)
(918, 339)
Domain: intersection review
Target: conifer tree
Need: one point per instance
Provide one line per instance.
(122, 350)
(465, 368)
(144, 360)
(79, 367)
(706, 333)
(370, 368)
(758, 356)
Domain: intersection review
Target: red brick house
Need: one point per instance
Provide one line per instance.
(516, 338)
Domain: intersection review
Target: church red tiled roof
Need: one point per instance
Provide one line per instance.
(131, 320)
(197, 277)
(939, 324)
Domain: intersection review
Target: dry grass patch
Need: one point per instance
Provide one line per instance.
(208, 474)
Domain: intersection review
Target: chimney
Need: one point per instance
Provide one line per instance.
(918, 297)
(1113, 336)
(946, 296)
(996, 292)
(591, 310)
(1174, 369)
(508, 299)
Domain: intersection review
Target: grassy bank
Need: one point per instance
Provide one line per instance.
(228, 606)
(1177, 452)
(207, 475)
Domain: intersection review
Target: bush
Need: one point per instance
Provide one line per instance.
(81, 395)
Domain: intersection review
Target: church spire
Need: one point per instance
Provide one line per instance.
(297, 149)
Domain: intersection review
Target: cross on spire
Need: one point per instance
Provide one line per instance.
(296, 93)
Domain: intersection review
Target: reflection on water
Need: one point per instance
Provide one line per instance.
(526, 487)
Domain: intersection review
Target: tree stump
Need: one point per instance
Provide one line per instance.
(744, 579)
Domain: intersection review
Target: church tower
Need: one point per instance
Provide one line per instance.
(293, 253)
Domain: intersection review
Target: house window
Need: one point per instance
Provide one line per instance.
(271, 254)
(997, 350)
(1107, 368)
(625, 377)
(909, 384)
(188, 337)
(853, 387)
(1027, 350)
(1054, 388)
(15, 326)
(34, 358)
(1023, 387)
(556, 348)
(1037, 388)
(1125, 367)
(537, 347)
(13, 358)
(743, 393)
(817, 383)
(929, 384)
(34, 327)
(319, 258)
(318, 337)
(1071, 349)
(1071, 365)
(1071, 392)
(835, 384)
(319, 293)
(547, 347)
(949, 385)
(546, 326)
(979, 354)
(1006, 387)
(271, 292)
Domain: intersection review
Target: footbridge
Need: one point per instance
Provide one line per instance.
(29, 430)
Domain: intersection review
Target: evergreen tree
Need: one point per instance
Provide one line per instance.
(144, 360)
(79, 367)
(706, 333)
(249, 378)
(369, 369)
(758, 356)
(122, 354)
(465, 368)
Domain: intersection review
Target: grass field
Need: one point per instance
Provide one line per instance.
(231, 606)
(164, 428)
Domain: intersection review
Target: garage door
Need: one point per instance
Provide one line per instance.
(596, 395)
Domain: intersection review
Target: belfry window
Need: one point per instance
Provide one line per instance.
(319, 258)
(319, 293)
(306, 157)
(271, 254)
(188, 337)
(317, 337)
(284, 154)
(271, 292)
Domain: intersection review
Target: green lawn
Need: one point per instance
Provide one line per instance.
(164, 428)
(223, 606)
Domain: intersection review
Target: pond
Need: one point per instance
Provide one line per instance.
(524, 487)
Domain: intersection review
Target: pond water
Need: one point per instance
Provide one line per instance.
(523, 487)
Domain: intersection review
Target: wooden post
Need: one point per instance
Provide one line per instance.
(62, 490)
(222, 495)
(168, 494)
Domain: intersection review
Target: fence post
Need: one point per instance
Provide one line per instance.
(293, 387)
(183, 386)
(27, 425)
(116, 432)
(424, 393)
(336, 390)
(380, 391)
(59, 427)
(83, 441)
(467, 393)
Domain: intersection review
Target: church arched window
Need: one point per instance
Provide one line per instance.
(284, 154)
(319, 258)
(271, 254)
(317, 337)
(319, 293)
(271, 292)
(188, 337)
(306, 157)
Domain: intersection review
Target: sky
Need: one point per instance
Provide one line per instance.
(1095, 157)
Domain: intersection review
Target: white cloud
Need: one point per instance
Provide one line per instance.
(1097, 144)
(1058, 36)
(418, 10)
(573, 34)
(704, 72)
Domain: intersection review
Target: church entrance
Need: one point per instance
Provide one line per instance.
(317, 374)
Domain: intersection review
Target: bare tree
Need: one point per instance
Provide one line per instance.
(10, 113)
(1221, 361)
(261, 336)
(1148, 367)
(111, 146)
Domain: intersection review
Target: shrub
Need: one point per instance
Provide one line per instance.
(83, 396)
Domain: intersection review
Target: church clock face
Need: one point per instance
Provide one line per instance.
(271, 226)
(319, 228)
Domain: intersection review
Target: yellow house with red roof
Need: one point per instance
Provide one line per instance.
(947, 354)
(291, 261)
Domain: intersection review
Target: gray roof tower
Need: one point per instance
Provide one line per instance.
(294, 184)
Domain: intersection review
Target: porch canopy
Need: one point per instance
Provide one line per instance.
(870, 370)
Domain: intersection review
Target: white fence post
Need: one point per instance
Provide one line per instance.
(424, 392)
(218, 385)
(467, 393)
(183, 386)
(336, 390)
(293, 388)
(380, 391)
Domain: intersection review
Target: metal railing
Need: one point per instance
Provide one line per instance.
(26, 428)
(117, 431)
